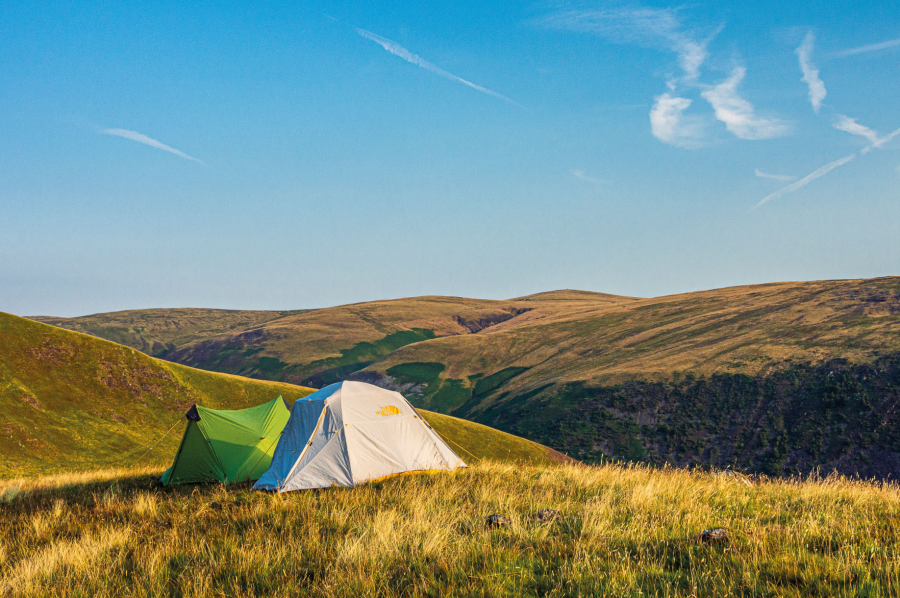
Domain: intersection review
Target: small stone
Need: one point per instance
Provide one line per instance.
(547, 515)
(497, 521)
(713, 536)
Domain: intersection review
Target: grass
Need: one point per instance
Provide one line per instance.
(622, 532)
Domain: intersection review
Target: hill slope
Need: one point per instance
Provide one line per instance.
(777, 378)
(71, 401)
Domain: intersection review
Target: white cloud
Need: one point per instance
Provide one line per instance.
(893, 43)
(581, 175)
(669, 125)
(141, 138)
(849, 125)
(398, 50)
(811, 73)
(774, 177)
(642, 26)
(738, 114)
(806, 180)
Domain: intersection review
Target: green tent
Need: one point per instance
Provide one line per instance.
(228, 446)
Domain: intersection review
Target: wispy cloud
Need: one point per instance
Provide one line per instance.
(849, 125)
(662, 28)
(806, 180)
(774, 177)
(810, 72)
(738, 114)
(669, 125)
(892, 43)
(141, 138)
(642, 26)
(581, 175)
(398, 50)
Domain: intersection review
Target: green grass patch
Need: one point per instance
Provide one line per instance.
(451, 395)
(489, 383)
(271, 366)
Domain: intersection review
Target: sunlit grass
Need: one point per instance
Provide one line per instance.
(623, 531)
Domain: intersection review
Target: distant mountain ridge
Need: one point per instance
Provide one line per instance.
(603, 376)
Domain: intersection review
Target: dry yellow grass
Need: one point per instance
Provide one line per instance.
(622, 532)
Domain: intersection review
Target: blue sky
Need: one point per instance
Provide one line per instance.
(293, 155)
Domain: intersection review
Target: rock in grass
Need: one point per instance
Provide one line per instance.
(497, 521)
(713, 536)
(547, 515)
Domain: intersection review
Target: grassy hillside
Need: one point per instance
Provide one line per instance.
(621, 532)
(778, 378)
(73, 402)
(155, 331)
(749, 330)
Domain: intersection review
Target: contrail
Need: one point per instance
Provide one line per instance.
(877, 144)
(141, 138)
(806, 180)
(893, 43)
(398, 50)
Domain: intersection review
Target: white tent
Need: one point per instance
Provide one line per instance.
(350, 433)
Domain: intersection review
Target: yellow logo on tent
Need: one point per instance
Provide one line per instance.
(388, 411)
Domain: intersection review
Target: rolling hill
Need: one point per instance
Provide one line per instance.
(778, 378)
(73, 402)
